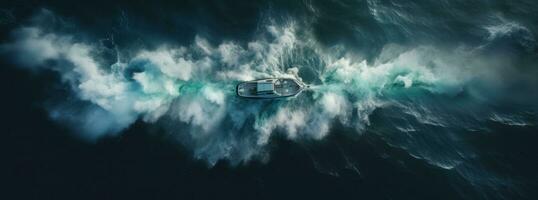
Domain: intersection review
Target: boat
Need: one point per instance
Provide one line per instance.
(270, 88)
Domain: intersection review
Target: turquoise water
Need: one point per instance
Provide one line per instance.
(427, 80)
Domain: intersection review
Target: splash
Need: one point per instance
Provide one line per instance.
(189, 89)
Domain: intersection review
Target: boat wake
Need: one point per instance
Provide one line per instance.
(190, 90)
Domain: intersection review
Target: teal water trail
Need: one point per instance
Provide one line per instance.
(189, 90)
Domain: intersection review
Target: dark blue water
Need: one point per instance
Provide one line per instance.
(408, 100)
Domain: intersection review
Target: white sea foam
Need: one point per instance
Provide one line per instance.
(195, 93)
(512, 120)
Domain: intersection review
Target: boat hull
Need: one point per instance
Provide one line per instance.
(269, 88)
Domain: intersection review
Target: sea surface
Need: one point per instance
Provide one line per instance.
(136, 99)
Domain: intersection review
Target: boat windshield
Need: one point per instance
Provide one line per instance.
(264, 88)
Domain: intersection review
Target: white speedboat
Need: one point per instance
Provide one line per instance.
(270, 88)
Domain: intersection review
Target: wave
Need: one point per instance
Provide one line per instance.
(189, 89)
(511, 120)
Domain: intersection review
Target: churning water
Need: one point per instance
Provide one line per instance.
(424, 77)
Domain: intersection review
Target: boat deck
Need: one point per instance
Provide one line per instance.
(269, 88)
(286, 87)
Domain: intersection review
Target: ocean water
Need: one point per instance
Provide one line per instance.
(407, 100)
